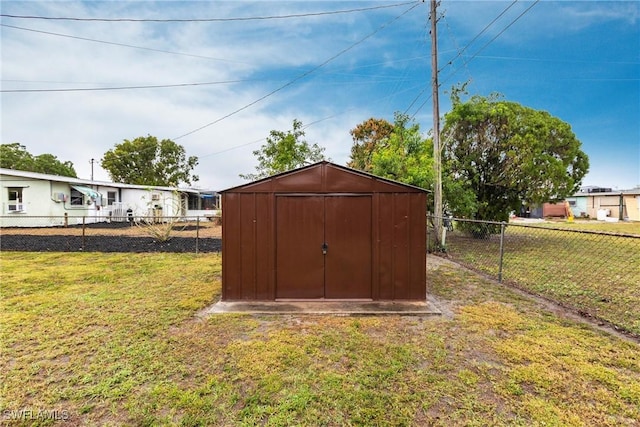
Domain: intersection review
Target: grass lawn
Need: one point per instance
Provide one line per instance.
(621, 227)
(112, 339)
(592, 272)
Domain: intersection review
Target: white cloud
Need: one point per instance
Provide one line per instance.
(374, 79)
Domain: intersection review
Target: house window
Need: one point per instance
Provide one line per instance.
(15, 200)
(111, 198)
(77, 199)
(210, 201)
(203, 201)
(193, 202)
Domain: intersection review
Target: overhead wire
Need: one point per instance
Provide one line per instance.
(304, 126)
(442, 81)
(152, 49)
(493, 39)
(118, 44)
(122, 87)
(460, 52)
(291, 82)
(394, 90)
(455, 42)
(301, 76)
(249, 18)
(379, 79)
(415, 99)
(289, 16)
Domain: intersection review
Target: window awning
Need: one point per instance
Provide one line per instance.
(89, 192)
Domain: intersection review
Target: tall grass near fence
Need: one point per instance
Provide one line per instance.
(595, 273)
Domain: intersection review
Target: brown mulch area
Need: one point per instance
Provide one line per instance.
(186, 229)
(113, 237)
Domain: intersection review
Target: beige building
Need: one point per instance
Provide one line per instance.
(598, 203)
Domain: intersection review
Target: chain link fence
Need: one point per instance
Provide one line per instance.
(595, 273)
(127, 234)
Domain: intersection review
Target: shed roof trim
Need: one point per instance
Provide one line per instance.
(315, 175)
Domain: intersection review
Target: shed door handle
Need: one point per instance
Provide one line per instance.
(324, 248)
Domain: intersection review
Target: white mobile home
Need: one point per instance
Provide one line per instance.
(30, 199)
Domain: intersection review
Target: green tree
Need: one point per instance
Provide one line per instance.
(15, 156)
(507, 154)
(48, 163)
(147, 161)
(404, 155)
(367, 136)
(284, 151)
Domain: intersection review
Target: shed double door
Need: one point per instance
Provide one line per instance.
(323, 247)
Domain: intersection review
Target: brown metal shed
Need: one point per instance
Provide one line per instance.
(324, 232)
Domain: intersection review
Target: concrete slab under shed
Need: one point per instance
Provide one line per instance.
(338, 308)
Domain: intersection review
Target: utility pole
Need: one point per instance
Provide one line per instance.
(437, 151)
(92, 161)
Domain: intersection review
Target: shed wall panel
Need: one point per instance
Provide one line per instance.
(417, 247)
(231, 247)
(338, 180)
(401, 255)
(375, 246)
(385, 243)
(248, 246)
(265, 256)
(302, 181)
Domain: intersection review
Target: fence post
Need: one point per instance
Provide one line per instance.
(502, 228)
(428, 232)
(83, 230)
(197, 232)
(66, 220)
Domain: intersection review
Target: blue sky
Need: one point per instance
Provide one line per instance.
(580, 61)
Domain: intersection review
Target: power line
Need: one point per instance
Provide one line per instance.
(450, 62)
(387, 79)
(120, 88)
(315, 122)
(479, 50)
(117, 44)
(235, 147)
(494, 38)
(301, 76)
(250, 18)
(559, 60)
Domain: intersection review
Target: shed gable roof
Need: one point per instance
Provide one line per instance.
(324, 177)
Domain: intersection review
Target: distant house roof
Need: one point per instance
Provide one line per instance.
(609, 192)
(79, 181)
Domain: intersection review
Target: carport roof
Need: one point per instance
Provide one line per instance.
(89, 192)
